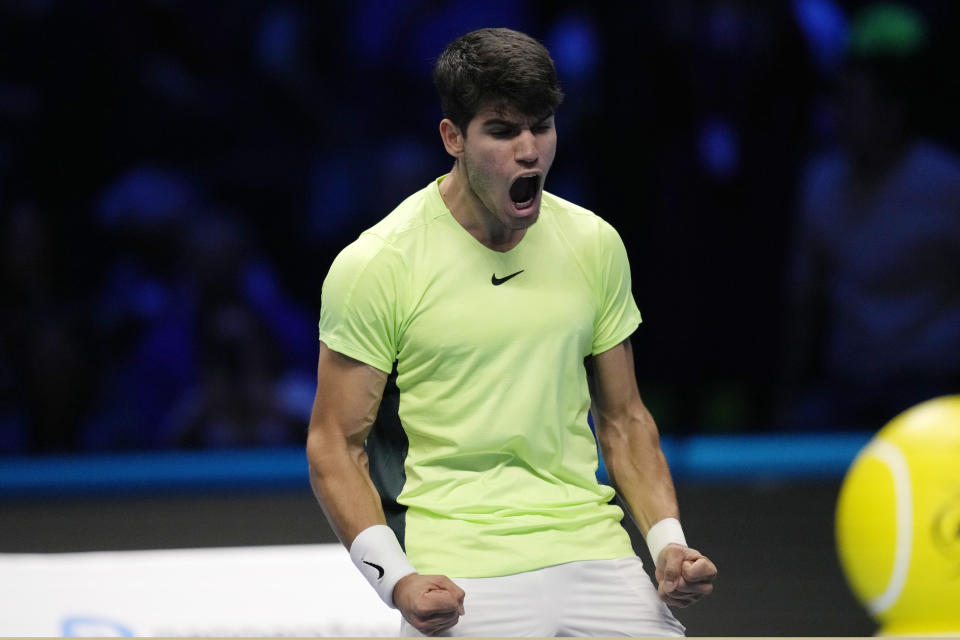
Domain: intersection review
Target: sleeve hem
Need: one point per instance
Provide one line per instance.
(619, 337)
(352, 351)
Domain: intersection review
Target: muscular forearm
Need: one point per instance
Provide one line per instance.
(631, 449)
(342, 485)
(344, 410)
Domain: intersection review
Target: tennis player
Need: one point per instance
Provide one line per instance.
(477, 512)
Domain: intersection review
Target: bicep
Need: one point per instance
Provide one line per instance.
(614, 385)
(619, 413)
(347, 399)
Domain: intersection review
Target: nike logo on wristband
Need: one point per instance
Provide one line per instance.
(375, 566)
(495, 281)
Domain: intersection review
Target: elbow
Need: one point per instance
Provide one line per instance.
(318, 458)
(328, 452)
(634, 426)
(609, 436)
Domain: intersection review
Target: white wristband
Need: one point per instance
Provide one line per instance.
(663, 533)
(379, 557)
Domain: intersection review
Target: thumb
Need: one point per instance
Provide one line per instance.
(670, 563)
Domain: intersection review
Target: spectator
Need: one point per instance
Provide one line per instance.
(875, 309)
(217, 367)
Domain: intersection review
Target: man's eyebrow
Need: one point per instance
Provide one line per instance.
(495, 122)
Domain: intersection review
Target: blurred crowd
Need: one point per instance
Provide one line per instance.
(176, 177)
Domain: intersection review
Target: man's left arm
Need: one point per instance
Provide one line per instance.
(630, 444)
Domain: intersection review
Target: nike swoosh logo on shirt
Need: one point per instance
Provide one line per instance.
(375, 566)
(495, 281)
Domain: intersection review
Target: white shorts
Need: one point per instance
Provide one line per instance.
(590, 598)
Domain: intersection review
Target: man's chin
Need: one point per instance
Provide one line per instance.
(523, 218)
(524, 222)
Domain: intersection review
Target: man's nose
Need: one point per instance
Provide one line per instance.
(526, 148)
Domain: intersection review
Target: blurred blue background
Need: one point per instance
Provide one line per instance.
(176, 177)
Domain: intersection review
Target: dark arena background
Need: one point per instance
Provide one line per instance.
(176, 178)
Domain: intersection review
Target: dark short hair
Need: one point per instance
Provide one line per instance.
(501, 68)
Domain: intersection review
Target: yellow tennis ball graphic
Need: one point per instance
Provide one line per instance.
(898, 522)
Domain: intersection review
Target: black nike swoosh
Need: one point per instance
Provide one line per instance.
(495, 281)
(375, 566)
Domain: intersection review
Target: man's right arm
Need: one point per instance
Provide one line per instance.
(348, 397)
(344, 409)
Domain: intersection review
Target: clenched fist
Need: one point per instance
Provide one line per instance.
(430, 603)
(685, 575)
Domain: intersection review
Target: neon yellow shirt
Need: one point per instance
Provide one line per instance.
(498, 460)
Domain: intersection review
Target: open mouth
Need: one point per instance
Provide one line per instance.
(523, 191)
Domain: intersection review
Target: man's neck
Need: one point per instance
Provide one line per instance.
(473, 215)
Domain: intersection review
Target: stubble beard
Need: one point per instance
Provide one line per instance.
(506, 221)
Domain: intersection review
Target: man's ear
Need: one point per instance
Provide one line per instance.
(452, 137)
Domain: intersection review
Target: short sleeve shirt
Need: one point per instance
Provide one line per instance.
(499, 463)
